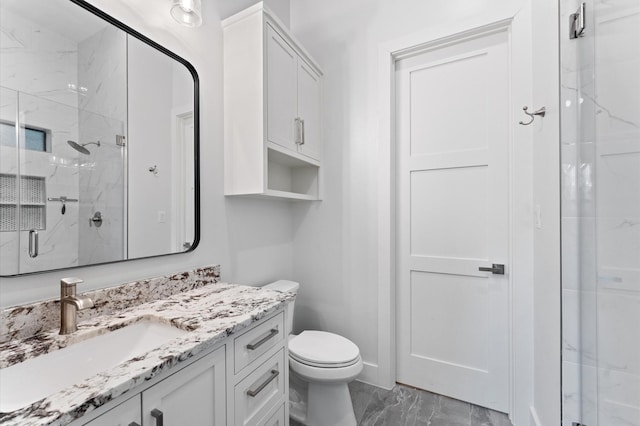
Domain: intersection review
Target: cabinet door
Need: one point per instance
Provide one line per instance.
(125, 414)
(309, 109)
(194, 396)
(281, 83)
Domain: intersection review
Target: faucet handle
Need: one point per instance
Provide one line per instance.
(71, 281)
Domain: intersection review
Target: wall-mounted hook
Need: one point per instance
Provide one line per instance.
(154, 169)
(541, 112)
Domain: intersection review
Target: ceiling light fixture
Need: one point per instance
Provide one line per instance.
(187, 12)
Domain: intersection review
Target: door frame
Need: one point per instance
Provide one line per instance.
(180, 117)
(516, 20)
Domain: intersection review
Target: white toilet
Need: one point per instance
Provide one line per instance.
(321, 366)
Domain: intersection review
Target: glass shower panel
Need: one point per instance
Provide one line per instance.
(9, 237)
(47, 176)
(600, 74)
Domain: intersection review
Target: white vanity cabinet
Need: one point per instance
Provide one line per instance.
(193, 396)
(242, 382)
(126, 414)
(272, 103)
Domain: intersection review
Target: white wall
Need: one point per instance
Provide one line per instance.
(546, 157)
(336, 241)
(251, 239)
(150, 145)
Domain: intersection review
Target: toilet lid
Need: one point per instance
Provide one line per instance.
(323, 349)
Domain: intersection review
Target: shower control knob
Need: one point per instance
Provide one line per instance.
(96, 220)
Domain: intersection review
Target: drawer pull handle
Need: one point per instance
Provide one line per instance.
(158, 415)
(134, 424)
(252, 393)
(256, 345)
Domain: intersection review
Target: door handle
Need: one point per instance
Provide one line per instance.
(302, 137)
(496, 268)
(33, 243)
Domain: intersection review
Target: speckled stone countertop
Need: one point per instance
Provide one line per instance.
(210, 313)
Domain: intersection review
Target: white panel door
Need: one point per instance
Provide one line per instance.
(281, 80)
(309, 110)
(453, 137)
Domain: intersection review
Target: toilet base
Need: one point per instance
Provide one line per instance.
(320, 404)
(329, 404)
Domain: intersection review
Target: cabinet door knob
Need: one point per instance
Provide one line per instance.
(158, 415)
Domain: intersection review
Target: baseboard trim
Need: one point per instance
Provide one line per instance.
(533, 416)
(370, 374)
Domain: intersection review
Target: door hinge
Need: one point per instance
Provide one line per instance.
(577, 22)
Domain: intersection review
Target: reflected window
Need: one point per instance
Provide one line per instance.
(35, 139)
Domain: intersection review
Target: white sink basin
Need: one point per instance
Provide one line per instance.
(36, 378)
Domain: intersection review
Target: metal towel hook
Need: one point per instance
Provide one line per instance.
(541, 112)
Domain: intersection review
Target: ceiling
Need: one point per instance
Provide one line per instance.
(227, 8)
(59, 16)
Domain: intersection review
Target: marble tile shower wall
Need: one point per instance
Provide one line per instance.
(102, 61)
(36, 69)
(601, 215)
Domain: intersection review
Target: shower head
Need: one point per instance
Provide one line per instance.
(81, 147)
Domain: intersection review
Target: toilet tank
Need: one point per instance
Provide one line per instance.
(284, 286)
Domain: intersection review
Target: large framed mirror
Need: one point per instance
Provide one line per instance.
(98, 141)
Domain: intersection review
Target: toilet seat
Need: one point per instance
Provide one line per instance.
(334, 375)
(322, 349)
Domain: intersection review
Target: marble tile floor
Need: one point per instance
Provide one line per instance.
(404, 406)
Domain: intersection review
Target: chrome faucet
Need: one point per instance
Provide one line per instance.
(70, 304)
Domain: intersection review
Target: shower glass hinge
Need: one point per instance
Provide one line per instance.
(120, 140)
(577, 22)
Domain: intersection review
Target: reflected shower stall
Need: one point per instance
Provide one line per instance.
(600, 152)
(60, 161)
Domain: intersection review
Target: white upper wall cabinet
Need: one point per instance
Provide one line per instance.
(273, 138)
(309, 109)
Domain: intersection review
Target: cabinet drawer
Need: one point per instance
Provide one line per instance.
(276, 419)
(257, 341)
(258, 393)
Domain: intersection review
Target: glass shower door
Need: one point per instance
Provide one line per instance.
(600, 74)
(9, 219)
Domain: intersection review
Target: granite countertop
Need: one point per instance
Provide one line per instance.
(210, 314)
